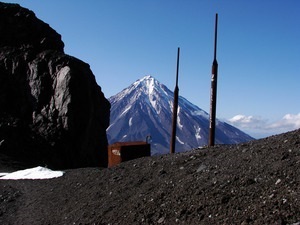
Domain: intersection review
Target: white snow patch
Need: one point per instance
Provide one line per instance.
(170, 105)
(150, 85)
(129, 107)
(179, 124)
(200, 113)
(181, 142)
(130, 121)
(33, 173)
(109, 126)
(178, 121)
(153, 102)
(197, 134)
(166, 93)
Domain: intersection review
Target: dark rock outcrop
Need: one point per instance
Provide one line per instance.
(19, 27)
(52, 112)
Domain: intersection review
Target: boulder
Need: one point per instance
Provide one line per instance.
(52, 112)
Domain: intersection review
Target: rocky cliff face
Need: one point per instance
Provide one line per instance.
(52, 112)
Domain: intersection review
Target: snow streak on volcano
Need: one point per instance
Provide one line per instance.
(145, 108)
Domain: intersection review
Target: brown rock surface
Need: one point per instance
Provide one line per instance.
(252, 183)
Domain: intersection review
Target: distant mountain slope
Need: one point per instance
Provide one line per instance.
(145, 108)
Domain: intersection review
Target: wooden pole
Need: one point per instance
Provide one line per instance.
(175, 107)
(213, 97)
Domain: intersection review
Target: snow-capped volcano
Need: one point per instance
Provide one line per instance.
(145, 108)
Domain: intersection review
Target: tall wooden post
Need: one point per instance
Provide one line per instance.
(213, 97)
(175, 107)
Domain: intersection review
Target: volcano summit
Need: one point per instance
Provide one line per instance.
(145, 108)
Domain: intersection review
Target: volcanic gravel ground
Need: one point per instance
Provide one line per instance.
(252, 183)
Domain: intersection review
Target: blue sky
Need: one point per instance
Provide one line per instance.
(258, 51)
